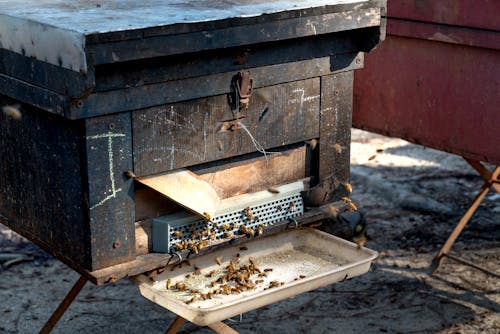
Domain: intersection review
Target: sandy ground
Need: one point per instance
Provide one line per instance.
(412, 198)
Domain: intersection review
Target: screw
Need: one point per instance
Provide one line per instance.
(111, 126)
(116, 244)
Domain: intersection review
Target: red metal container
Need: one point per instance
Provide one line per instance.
(435, 81)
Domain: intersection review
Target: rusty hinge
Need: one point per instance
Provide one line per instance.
(243, 89)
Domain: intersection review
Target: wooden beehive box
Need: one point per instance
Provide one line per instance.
(149, 87)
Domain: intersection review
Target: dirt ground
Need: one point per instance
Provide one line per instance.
(412, 198)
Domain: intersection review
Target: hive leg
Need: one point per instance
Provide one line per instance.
(58, 313)
(222, 328)
(492, 181)
(175, 325)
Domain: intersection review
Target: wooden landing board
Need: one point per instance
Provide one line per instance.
(187, 189)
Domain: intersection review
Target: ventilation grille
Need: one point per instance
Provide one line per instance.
(173, 232)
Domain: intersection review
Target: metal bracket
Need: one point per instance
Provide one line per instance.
(244, 88)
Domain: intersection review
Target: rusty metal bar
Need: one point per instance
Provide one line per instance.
(175, 325)
(58, 313)
(491, 179)
(470, 264)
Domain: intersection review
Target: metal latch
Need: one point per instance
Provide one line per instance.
(244, 89)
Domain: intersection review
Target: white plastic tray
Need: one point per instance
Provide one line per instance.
(319, 258)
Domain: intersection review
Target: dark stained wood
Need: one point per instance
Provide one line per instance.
(335, 138)
(161, 69)
(40, 181)
(132, 98)
(155, 46)
(110, 191)
(33, 95)
(42, 74)
(189, 133)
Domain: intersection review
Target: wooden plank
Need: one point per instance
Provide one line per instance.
(41, 188)
(257, 174)
(110, 202)
(44, 75)
(177, 67)
(190, 133)
(132, 98)
(155, 46)
(335, 137)
(36, 96)
(186, 189)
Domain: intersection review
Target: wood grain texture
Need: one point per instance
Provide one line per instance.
(41, 184)
(189, 133)
(257, 174)
(110, 201)
(335, 137)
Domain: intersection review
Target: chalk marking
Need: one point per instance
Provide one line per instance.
(114, 191)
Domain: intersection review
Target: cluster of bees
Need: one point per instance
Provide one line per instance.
(232, 279)
(197, 240)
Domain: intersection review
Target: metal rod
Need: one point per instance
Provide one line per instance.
(58, 313)
(175, 325)
(470, 264)
(222, 328)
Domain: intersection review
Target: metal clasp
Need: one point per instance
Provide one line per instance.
(244, 89)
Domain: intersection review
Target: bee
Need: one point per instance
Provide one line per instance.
(260, 230)
(302, 276)
(252, 260)
(279, 207)
(232, 266)
(268, 269)
(185, 244)
(210, 274)
(236, 290)
(202, 244)
(228, 234)
(187, 262)
(338, 148)
(249, 213)
(194, 249)
(12, 111)
(177, 233)
(346, 199)
(250, 232)
(187, 276)
(292, 207)
(169, 284)
(212, 284)
(273, 191)
(197, 271)
(262, 275)
(348, 187)
(207, 216)
(179, 246)
(274, 284)
(180, 286)
(259, 281)
(225, 227)
(203, 296)
(313, 143)
(130, 175)
(192, 300)
(213, 235)
(372, 157)
(195, 291)
(353, 206)
(218, 260)
(209, 295)
(243, 248)
(191, 228)
(206, 232)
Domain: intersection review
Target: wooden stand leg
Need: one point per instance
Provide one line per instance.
(58, 313)
(491, 182)
(175, 325)
(222, 328)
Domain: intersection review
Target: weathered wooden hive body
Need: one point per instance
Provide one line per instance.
(150, 87)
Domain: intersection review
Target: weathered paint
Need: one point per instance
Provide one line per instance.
(433, 84)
